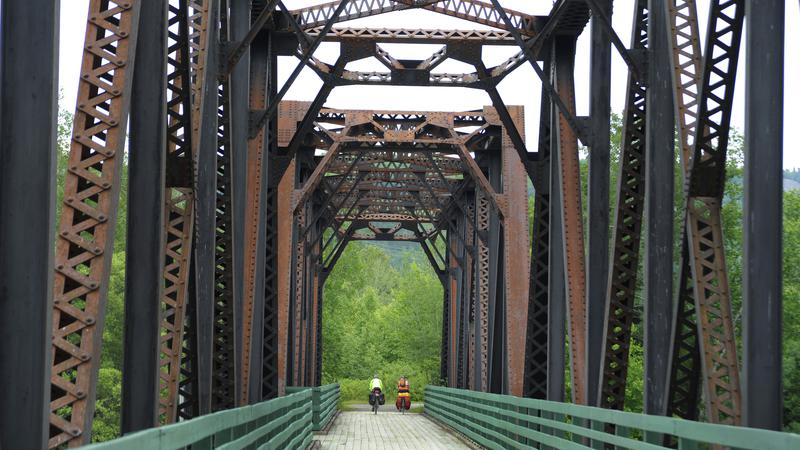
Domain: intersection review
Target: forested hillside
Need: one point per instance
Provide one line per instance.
(381, 318)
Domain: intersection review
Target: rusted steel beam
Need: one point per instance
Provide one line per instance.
(704, 221)
(284, 260)
(262, 65)
(683, 385)
(516, 257)
(416, 36)
(572, 217)
(471, 10)
(85, 239)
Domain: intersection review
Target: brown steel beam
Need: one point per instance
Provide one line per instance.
(88, 220)
(416, 36)
(471, 10)
(572, 217)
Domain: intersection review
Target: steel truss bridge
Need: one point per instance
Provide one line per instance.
(240, 203)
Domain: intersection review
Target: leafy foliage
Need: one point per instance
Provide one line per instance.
(380, 317)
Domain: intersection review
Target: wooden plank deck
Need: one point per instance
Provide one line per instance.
(387, 430)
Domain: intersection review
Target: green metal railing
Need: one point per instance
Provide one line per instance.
(324, 400)
(281, 423)
(503, 421)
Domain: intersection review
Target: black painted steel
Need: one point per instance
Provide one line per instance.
(598, 208)
(536, 349)
(188, 388)
(260, 69)
(239, 81)
(269, 325)
(144, 259)
(224, 383)
(556, 285)
(205, 219)
(28, 106)
(659, 191)
(763, 188)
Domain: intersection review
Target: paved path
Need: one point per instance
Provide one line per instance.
(388, 430)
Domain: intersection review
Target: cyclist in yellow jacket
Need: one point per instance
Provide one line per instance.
(376, 390)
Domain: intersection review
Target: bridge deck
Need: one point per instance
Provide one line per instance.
(387, 430)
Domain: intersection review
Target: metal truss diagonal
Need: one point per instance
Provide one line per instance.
(85, 240)
(704, 221)
(471, 10)
(684, 381)
(224, 375)
(627, 232)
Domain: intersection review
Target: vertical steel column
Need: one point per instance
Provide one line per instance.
(224, 348)
(571, 216)
(188, 388)
(269, 354)
(556, 284)
(763, 189)
(496, 324)
(257, 170)
(482, 295)
(205, 212)
(464, 292)
(239, 113)
(536, 350)
(515, 263)
(269, 327)
(659, 191)
(598, 208)
(28, 106)
(144, 258)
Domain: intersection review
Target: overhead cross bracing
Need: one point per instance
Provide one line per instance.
(414, 177)
(242, 202)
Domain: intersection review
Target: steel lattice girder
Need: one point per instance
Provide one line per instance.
(684, 379)
(178, 210)
(179, 338)
(224, 370)
(704, 224)
(85, 234)
(627, 232)
(471, 10)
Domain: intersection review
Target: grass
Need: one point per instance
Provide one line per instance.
(348, 405)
